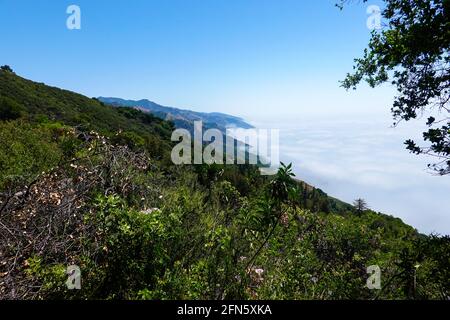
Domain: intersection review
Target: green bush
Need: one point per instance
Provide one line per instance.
(9, 109)
(25, 152)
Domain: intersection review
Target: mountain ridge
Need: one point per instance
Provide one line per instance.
(182, 118)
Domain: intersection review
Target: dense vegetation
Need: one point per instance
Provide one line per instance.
(86, 184)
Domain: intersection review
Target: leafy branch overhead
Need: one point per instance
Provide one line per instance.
(411, 52)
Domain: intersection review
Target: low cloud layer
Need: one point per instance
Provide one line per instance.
(365, 157)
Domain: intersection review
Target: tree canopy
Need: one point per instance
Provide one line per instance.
(6, 68)
(411, 51)
(360, 205)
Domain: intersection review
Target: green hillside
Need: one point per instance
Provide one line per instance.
(86, 184)
(36, 102)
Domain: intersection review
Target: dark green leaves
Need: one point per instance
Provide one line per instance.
(412, 53)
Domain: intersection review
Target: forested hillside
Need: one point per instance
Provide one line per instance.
(86, 184)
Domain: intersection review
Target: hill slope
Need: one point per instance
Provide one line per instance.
(139, 227)
(38, 102)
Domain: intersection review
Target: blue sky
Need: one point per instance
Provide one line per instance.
(235, 56)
